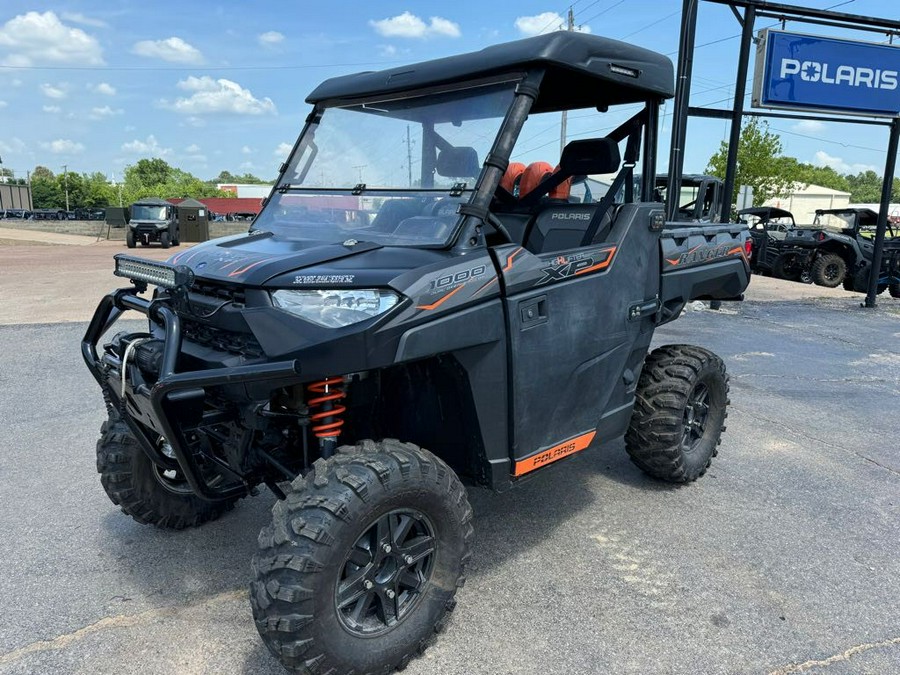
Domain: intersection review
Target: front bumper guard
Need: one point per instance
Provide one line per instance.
(175, 397)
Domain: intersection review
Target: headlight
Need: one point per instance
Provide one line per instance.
(335, 308)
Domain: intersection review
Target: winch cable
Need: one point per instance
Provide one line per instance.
(128, 352)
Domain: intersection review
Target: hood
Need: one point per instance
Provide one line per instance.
(256, 258)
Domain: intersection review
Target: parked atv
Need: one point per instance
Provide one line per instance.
(365, 318)
(836, 249)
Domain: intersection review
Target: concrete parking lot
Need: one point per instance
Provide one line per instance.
(784, 558)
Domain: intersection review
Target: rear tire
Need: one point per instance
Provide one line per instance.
(828, 270)
(679, 413)
(135, 484)
(861, 282)
(129, 239)
(894, 289)
(786, 267)
(332, 574)
(849, 283)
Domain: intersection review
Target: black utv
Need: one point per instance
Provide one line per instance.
(836, 250)
(700, 198)
(769, 227)
(152, 220)
(467, 304)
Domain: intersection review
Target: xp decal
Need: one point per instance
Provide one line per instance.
(563, 267)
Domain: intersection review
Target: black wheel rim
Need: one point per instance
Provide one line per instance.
(831, 271)
(385, 573)
(696, 415)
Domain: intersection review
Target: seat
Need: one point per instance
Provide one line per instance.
(511, 178)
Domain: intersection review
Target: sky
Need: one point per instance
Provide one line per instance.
(211, 86)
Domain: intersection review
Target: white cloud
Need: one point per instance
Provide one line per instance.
(809, 126)
(545, 22)
(34, 39)
(56, 92)
(193, 148)
(78, 17)
(283, 150)
(270, 38)
(247, 166)
(172, 49)
(13, 145)
(408, 25)
(3, 104)
(63, 146)
(838, 164)
(52, 109)
(104, 112)
(103, 88)
(195, 121)
(387, 50)
(247, 150)
(198, 158)
(218, 96)
(16, 82)
(150, 146)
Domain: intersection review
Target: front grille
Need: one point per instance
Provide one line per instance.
(219, 292)
(243, 344)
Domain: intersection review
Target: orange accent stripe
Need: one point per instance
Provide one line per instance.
(510, 258)
(248, 267)
(485, 286)
(435, 305)
(555, 453)
(737, 249)
(600, 265)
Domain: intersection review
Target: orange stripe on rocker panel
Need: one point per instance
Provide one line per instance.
(550, 455)
(435, 305)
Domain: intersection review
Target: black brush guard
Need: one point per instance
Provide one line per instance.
(175, 398)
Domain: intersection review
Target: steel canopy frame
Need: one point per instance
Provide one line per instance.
(753, 10)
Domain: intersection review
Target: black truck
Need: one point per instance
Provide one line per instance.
(371, 313)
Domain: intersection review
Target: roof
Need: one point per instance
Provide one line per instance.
(227, 204)
(191, 203)
(813, 189)
(152, 201)
(862, 212)
(687, 179)
(581, 71)
(766, 212)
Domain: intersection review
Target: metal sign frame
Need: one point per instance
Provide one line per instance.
(753, 10)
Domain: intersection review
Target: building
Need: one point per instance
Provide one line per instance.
(807, 199)
(223, 206)
(248, 190)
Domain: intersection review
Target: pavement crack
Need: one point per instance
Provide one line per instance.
(815, 439)
(117, 621)
(837, 658)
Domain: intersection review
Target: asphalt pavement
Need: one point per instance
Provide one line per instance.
(784, 558)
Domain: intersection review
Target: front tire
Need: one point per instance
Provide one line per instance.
(164, 240)
(828, 270)
(894, 289)
(362, 561)
(787, 267)
(142, 490)
(129, 239)
(679, 413)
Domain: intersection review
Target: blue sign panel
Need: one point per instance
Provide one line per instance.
(817, 73)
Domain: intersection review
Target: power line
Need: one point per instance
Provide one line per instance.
(650, 25)
(195, 68)
(608, 9)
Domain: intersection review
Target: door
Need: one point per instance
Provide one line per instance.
(579, 323)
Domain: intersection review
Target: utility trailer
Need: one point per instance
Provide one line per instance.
(369, 314)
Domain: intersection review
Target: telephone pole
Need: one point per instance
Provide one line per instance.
(408, 156)
(66, 181)
(570, 26)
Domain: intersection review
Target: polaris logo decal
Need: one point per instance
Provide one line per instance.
(813, 71)
(569, 215)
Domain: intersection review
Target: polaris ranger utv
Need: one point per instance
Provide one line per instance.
(152, 220)
(364, 318)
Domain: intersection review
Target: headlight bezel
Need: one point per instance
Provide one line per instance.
(336, 307)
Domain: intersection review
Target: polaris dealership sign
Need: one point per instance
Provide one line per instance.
(805, 72)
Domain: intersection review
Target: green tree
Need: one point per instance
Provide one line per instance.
(148, 172)
(45, 193)
(865, 187)
(760, 164)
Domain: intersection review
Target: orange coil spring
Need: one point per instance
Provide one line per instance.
(327, 422)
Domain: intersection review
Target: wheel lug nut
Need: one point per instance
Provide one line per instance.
(390, 594)
(368, 584)
(386, 548)
(408, 559)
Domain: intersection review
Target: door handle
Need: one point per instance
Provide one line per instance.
(533, 312)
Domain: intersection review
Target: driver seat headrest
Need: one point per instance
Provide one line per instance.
(511, 177)
(536, 173)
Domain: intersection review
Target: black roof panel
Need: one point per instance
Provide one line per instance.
(581, 71)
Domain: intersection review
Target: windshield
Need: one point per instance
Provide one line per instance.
(390, 172)
(147, 212)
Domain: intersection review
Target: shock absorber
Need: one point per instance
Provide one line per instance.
(325, 412)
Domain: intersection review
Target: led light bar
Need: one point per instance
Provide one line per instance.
(152, 272)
